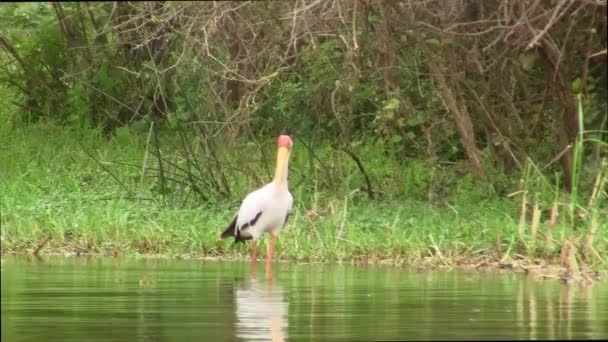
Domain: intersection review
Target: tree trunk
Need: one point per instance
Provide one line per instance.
(235, 87)
(389, 55)
(76, 42)
(568, 117)
(456, 106)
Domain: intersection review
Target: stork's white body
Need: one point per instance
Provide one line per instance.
(272, 203)
(265, 209)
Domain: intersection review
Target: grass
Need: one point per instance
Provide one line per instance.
(99, 196)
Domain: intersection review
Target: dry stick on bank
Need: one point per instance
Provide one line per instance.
(571, 258)
(41, 245)
(588, 245)
(534, 227)
(549, 236)
(600, 180)
(568, 256)
(522, 217)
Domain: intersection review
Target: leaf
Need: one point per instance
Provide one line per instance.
(433, 41)
(392, 105)
(396, 138)
(590, 84)
(576, 85)
(527, 60)
(413, 122)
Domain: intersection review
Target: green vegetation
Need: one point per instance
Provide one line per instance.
(123, 130)
(76, 182)
(87, 194)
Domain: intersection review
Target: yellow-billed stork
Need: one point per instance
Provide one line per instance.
(265, 209)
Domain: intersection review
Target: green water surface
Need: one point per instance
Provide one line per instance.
(97, 299)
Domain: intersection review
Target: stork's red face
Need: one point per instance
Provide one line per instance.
(284, 141)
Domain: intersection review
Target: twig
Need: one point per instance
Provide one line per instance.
(370, 191)
(556, 158)
(600, 53)
(90, 155)
(554, 18)
(292, 39)
(41, 245)
(99, 90)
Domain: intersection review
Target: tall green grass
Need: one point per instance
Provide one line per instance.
(578, 220)
(96, 195)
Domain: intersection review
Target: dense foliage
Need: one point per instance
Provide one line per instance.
(423, 100)
(493, 82)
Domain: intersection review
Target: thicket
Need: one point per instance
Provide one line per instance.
(494, 97)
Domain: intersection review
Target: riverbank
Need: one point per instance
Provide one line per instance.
(538, 269)
(77, 193)
(424, 238)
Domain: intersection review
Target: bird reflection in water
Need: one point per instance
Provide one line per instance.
(261, 310)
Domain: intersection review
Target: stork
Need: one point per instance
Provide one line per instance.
(265, 209)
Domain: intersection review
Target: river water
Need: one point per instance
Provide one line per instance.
(105, 299)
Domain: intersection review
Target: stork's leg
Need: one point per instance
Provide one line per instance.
(254, 260)
(254, 246)
(271, 250)
(269, 274)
